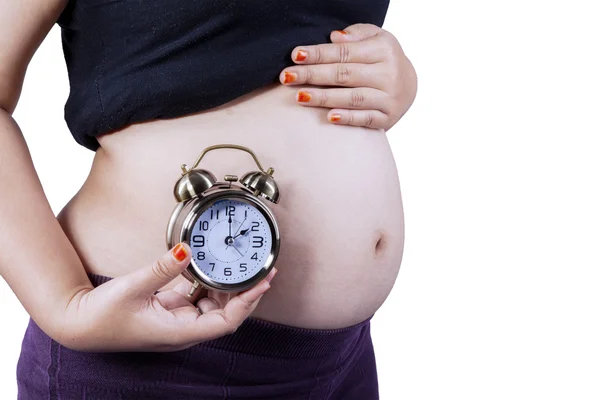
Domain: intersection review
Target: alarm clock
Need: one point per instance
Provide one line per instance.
(229, 226)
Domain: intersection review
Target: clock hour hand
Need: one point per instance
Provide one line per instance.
(242, 232)
(229, 224)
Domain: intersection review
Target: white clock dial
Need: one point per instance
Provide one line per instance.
(231, 241)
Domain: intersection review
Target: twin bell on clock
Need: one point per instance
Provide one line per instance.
(229, 226)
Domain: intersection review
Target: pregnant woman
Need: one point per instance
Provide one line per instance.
(311, 87)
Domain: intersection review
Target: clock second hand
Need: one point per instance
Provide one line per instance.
(239, 227)
(236, 249)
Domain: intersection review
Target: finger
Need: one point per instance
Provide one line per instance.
(220, 322)
(241, 305)
(146, 281)
(216, 300)
(171, 285)
(187, 314)
(365, 52)
(344, 74)
(354, 32)
(368, 118)
(171, 299)
(208, 304)
(355, 99)
(220, 298)
(183, 288)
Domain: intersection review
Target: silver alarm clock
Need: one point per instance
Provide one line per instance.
(232, 232)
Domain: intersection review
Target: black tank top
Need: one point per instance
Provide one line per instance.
(135, 60)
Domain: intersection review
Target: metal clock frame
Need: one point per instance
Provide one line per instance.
(197, 206)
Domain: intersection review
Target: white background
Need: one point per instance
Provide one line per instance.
(497, 296)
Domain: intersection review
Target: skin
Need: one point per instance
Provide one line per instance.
(379, 82)
(340, 215)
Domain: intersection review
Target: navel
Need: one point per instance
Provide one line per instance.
(380, 242)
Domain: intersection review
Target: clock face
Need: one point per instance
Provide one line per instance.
(231, 241)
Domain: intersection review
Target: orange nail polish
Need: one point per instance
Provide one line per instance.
(289, 77)
(335, 117)
(301, 55)
(179, 252)
(343, 32)
(304, 97)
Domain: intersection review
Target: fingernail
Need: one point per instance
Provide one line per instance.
(343, 32)
(301, 55)
(179, 252)
(303, 97)
(268, 279)
(335, 117)
(289, 77)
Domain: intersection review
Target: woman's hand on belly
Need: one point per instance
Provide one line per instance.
(381, 81)
(125, 314)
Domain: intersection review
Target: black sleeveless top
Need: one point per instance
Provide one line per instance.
(135, 60)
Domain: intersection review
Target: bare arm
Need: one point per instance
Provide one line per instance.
(43, 269)
(36, 259)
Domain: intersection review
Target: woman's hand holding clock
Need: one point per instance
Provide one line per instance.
(127, 314)
(380, 81)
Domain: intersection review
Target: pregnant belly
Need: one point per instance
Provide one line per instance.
(340, 212)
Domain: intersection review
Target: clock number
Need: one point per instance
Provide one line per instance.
(200, 255)
(212, 214)
(203, 225)
(227, 271)
(246, 213)
(213, 266)
(243, 265)
(198, 241)
(254, 257)
(257, 240)
(230, 210)
(255, 225)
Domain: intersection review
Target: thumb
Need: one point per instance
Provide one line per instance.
(355, 33)
(146, 281)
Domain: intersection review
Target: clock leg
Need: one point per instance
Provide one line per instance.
(195, 286)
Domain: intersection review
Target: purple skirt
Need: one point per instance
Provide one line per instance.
(261, 360)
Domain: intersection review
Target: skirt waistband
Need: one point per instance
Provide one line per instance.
(270, 339)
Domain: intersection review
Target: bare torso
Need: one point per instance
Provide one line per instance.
(340, 212)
